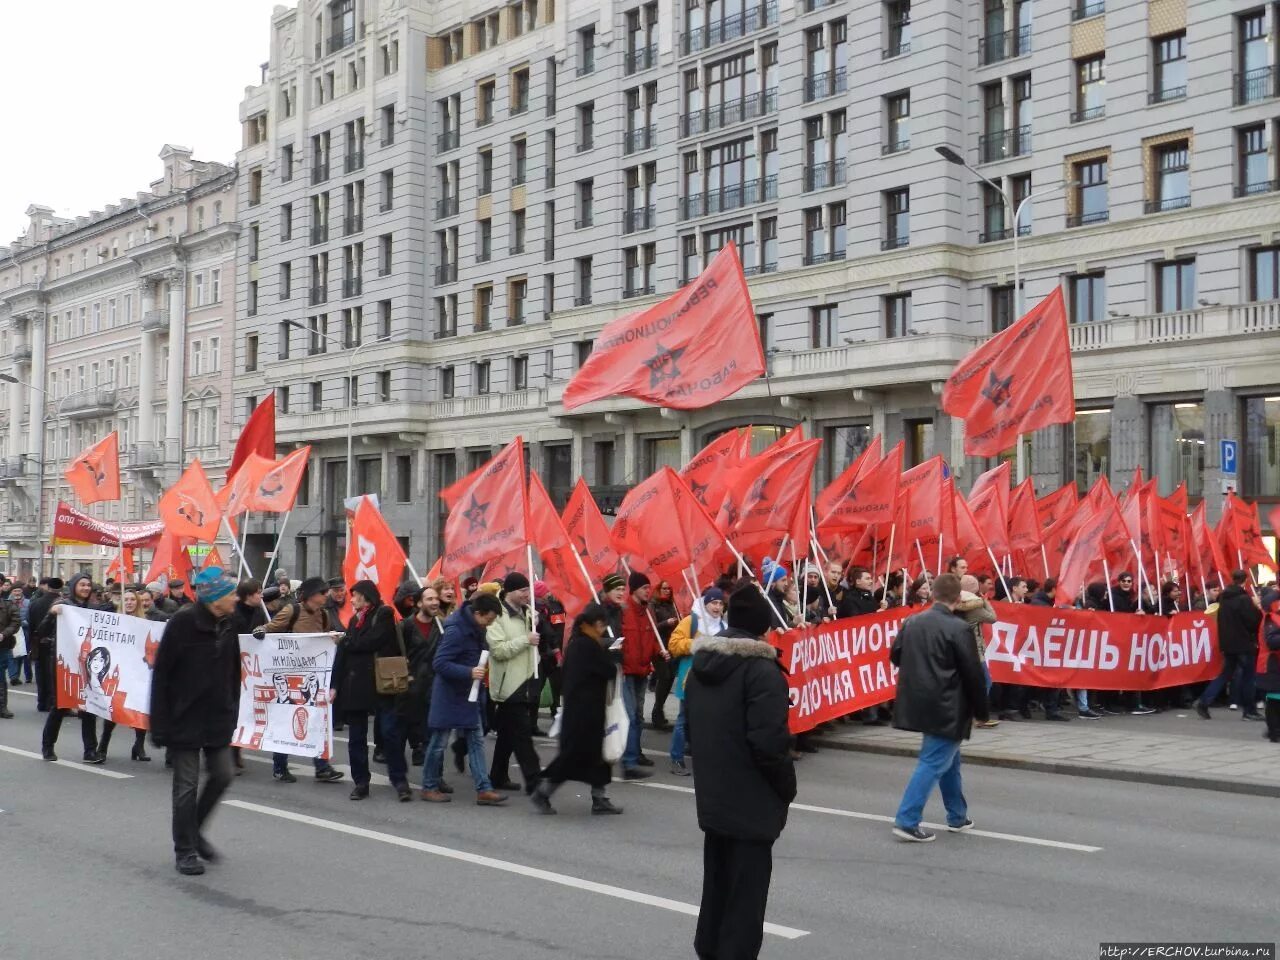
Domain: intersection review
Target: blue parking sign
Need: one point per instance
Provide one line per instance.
(1229, 450)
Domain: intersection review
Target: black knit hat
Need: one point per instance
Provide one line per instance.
(636, 580)
(749, 611)
(515, 580)
(311, 586)
(612, 582)
(369, 590)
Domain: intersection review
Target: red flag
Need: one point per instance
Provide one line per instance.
(515, 560)
(233, 499)
(989, 504)
(1082, 551)
(969, 541)
(488, 512)
(834, 504)
(770, 498)
(189, 508)
(1210, 559)
(95, 473)
(1052, 507)
(1240, 533)
(662, 524)
(588, 532)
(258, 435)
(1170, 516)
(697, 347)
(170, 561)
(277, 490)
(1024, 529)
(709, 472)
(124, 571)
(560, 564)
(373, 552)
(921, 491)
(1016, 382)
(213, 559)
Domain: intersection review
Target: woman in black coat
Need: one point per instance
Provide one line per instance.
(589, 672)
(371, 634)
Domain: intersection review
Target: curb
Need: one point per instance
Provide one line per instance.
(1124, 774)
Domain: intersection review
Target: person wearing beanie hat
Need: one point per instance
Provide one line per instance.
(640, 644)
(195, 695)
(737, 703)
(303, 612)
(336, 602)
(613, 593)
(706, 619)
(513, 653)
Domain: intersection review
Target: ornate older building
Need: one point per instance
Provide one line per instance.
(119, 320)
(469, 191)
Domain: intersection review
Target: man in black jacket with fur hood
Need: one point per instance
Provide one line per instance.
(736, 706)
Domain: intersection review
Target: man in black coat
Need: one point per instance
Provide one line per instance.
(195, 702)
(941, 689)
(736, 705)
(1238, 620)
(859, 600)
(41, 644)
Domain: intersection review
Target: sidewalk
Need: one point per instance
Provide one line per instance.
(1174, 748)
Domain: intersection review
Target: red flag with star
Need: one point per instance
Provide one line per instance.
(488, 512)
(709, 472)
(989, 504)
(1052, 507)
(588, 532)
(769, 499)
(697, 347)
(1018, 381)
(835, 504)
(662, 525)
(1240, 534)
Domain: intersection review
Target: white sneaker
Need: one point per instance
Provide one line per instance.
(1234, 707)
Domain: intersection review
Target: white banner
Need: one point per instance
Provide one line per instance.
(284, 694)
(104, 664)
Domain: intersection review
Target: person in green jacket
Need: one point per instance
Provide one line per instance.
(513, 654)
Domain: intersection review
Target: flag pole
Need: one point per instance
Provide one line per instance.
(888, 560)
(1106, 572)
(795, 571)
(1044, 558)
(831, 604)
(999, 573)
(533, 607)
(245, 573)
(275, 554)
(764, 593)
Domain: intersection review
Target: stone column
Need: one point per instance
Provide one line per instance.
(1047, 448)
(177, 363)
(1128, 432)
(146, 371)
(1222, 421)
(39, 377)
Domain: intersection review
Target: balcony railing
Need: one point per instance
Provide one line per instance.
(320, 233)
(760, 15)
(1253, 189)
(729, 198)
(354, 162)
(638, 60)
(584, 221)
(825, 84)
(1088, 113)
(1005, 233)
(318, 295)
(320, 173)
(820, 176)
(1167, 94)
(1087, 8)
(352, 224)
(549, 177)
(1084, 219)
(341, 40)
(640, 219)
(446, 207)
(896, 146)
(582, 300)
(587, 67)
(148, 454)
(643, 138)
(515, 250)
(756, 269)
(447, 141)
(1255, 85)
(90, 403)
(1166, 203)
(832, 256)
(15, 468)
(352, 287)
(447, 273)
(1005, 144)
(728, 113)
(22, 354)
(155, 320)
(1004, 46)
(893, 243)
(484, 256)
(630, 292)
(812, 5)
(519, 107)
(901, 49)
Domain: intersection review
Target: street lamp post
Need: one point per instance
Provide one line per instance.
(9, 378)
(351, 363)
(1015, 214)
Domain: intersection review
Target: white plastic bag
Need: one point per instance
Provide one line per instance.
(617, 725)
(21, 649)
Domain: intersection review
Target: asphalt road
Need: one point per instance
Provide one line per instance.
(86, 867)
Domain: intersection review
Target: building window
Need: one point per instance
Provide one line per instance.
(585, 214)
(1088, 296)
(519, 161)
(286, 163)
(1175, 285)
(446, 383)
(1256, 77)
(898, 113)
(1170, 80)
(582, 274)
(1172, 178)
(1091, 84)
(486, 96)
(519, 373)
(483, 308)
(1264, 273)
(581, 351)
(282, 339)
(484, 240)
(447, 316)
(317, 396)
(517, 232)
(823, 326)
(351, 390)
(1091, 443)
(384, 318)
(520, 91)
(897, 315)
(384, 255)
(250, 353)
(255, 186)
(1254, 168)
(586, 126)
(384, 386)
(638, 270)
(1261, 475)
(586, 51)
(404, 478)
(1177, 447)
(897, 16)
(1090, 193)
(481, 375)
(484, 165)
(517, 297)
(388, 189)
(897, 214)
(282, 399)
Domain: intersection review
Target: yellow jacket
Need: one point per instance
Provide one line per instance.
(681, 642)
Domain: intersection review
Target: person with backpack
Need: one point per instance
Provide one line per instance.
(303, 613)
(705, 620)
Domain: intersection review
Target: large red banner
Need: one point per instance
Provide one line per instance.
(843, 666)
(72, 526)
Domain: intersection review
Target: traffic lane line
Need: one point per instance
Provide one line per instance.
(506, 866)
(881, 818)
(82, 767)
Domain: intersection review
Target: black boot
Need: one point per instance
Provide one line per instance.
(139, 751)
(1272, 709)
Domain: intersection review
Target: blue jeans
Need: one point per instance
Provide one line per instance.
(395, 731)
(633, 691)
(21, 667)
(939, 764)
(433, 768)
(986, 672)
(1242, 693)
(1082, 700)
(280, 763)
(678, 737)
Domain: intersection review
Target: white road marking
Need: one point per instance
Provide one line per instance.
(70, 765)
(21, 693)
(881, 818)
(535, 873)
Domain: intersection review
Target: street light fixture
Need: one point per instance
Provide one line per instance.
(351, 362)
(1015, 215)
